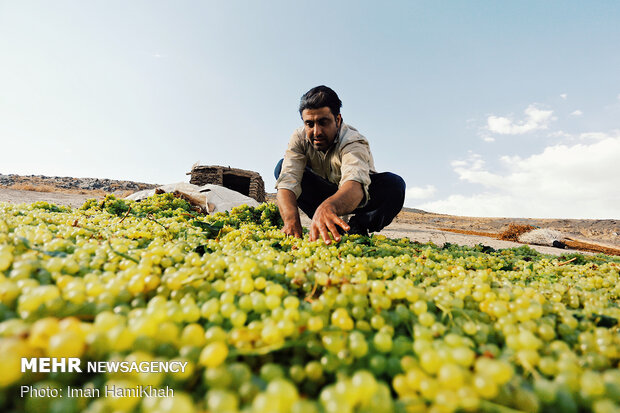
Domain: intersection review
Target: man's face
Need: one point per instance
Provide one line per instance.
(321, 127)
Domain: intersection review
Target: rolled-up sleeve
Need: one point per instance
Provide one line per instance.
(356, 166)
(292, 167)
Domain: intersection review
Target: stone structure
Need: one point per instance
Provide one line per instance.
(248, 183)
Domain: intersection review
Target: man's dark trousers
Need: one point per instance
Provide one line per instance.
(386, 190)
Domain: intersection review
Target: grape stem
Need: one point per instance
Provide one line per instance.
(491, 407)
(150, 217)
(120, 254)
(309, 296)
(527, 367)
(125, 216)
(195, 278)
(445, 311)
(567, 262)
(463, 313)
(50, 253)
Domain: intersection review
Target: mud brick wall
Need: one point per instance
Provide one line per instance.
(249, 183)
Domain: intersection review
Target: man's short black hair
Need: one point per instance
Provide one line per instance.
(319, 97)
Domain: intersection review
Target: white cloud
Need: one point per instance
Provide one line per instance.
(597, 136)
(578, 181)
(418, 192)
(488, 138)
(586, 136)
(577, 113)
(560, 134)
(535, 119)
(564, 96)
(478, 205)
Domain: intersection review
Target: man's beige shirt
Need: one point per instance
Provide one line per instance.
(347, 159)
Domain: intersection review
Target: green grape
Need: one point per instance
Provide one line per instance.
(304, 406)
(314, 370)
(222, 401)
(218, 377)
(451, 376)
(377, 364)
(271, 371)
(66, 344)
(213, 354)
(297, 373)
(382, 342)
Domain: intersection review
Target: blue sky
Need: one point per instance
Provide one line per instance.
(485, 108)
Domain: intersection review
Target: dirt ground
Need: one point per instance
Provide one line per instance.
(600, 230)
(417, 225)
(17, 196)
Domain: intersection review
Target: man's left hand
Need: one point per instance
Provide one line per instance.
(326, 221)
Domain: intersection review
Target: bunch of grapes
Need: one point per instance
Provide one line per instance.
(268, 323)
(160, 205)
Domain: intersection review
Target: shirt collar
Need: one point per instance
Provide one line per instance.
(337, 138)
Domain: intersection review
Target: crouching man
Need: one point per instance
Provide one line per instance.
(328, 171)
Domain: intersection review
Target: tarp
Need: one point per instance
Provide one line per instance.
(211, 198)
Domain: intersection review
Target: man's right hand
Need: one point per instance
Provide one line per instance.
(287, 203)
(293, 229)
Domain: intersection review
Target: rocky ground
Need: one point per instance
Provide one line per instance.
(600, 230)
(415, 224)
(66, 184)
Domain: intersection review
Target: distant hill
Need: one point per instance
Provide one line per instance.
(416, 211)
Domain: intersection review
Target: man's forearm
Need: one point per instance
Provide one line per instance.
(347, 198)
(287, 204)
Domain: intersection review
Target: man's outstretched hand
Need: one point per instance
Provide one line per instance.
(326, 221)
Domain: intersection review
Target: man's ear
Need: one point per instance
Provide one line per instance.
(339, 120)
